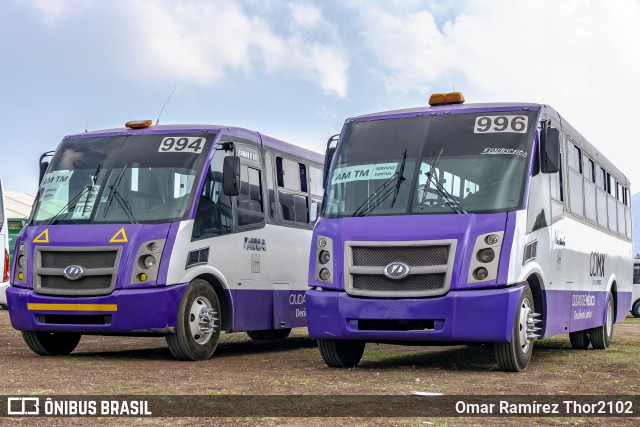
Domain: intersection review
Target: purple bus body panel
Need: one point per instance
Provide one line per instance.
(480, 315)
(266, 309)
(138, 311)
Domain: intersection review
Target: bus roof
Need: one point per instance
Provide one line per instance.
(234, 131)
(588, 148)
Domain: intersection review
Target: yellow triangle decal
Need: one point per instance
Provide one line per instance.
(42, 237)
(119, 237)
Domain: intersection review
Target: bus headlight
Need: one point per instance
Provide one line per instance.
(480, 273)
(485, 255)
(325, 275)
(324, 257)
(324, 266)
(22, 261)
(147, 264)
(148, 261)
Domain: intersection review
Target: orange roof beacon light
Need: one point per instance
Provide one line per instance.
(446, 98)
(138, 124)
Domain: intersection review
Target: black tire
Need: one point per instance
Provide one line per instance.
(6, 307)
(269, 334)
(602, 335)
(51, 343)
(515, 355)
(189, 342)
(580, 339)
(341, 353)
(635, 310)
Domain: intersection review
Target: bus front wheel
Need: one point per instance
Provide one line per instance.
(341, 353)
(515, 355)
(51, 343)
(601, 336)
(197, 323)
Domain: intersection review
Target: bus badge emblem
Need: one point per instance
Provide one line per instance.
(73, 272)
(396, 270)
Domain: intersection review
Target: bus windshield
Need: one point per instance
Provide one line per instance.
(454, 163)
(124, 178)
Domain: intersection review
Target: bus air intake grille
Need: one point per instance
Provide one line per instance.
(98, 265)
(430, 263)
(413, 283)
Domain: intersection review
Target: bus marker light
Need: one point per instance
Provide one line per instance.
(446, 98)
(138, 124)
(21, 276)
(491, 239)
(142, 277)
(322, 243)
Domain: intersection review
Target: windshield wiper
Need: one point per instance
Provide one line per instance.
(383, 192)
(442, 192)
(76, 198)
(113, 194)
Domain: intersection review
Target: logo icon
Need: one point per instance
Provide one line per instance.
(396, 270)
(73, 272)
(23, 406)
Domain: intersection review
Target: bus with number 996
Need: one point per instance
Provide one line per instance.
(468, 223)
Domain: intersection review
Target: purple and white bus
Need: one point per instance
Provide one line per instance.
(490, 223)
(183, 231)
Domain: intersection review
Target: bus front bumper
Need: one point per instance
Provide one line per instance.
(458, 316)
(131, 311)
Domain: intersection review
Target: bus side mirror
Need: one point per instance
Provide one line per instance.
(327, 163)
(231, 176)
(550, 150)
(44, 164)
(43, 170)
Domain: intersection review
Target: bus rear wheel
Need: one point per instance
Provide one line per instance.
(635, 311)
(269, 334)
(515, 355)
(51, 343)
(580, 339)
(341, 353)
(197, 323)
(601, 336)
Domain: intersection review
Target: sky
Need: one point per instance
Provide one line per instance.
(295, 70)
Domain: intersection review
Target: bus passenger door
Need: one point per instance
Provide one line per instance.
(254, 294)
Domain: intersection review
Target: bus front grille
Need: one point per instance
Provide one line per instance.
(99, 269)
(430, 264)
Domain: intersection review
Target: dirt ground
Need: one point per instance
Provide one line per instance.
(124, 366)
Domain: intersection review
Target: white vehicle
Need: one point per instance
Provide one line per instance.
(4, 251)
(635, 307)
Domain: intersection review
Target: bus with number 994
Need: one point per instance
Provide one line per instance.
(468, 223)
(182, 231)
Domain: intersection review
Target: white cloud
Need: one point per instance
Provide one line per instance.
(204, 42)
(579, 56)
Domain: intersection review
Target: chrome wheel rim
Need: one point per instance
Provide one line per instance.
(202, 320)
(524, 341)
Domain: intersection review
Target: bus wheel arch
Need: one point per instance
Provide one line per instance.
(224, 298)
(614, 295)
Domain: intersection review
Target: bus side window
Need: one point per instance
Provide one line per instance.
(249, 201)
(293, 197)
(601, 197)
(214, 216)
(271, 195)
(590, 204)
(576, 202)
